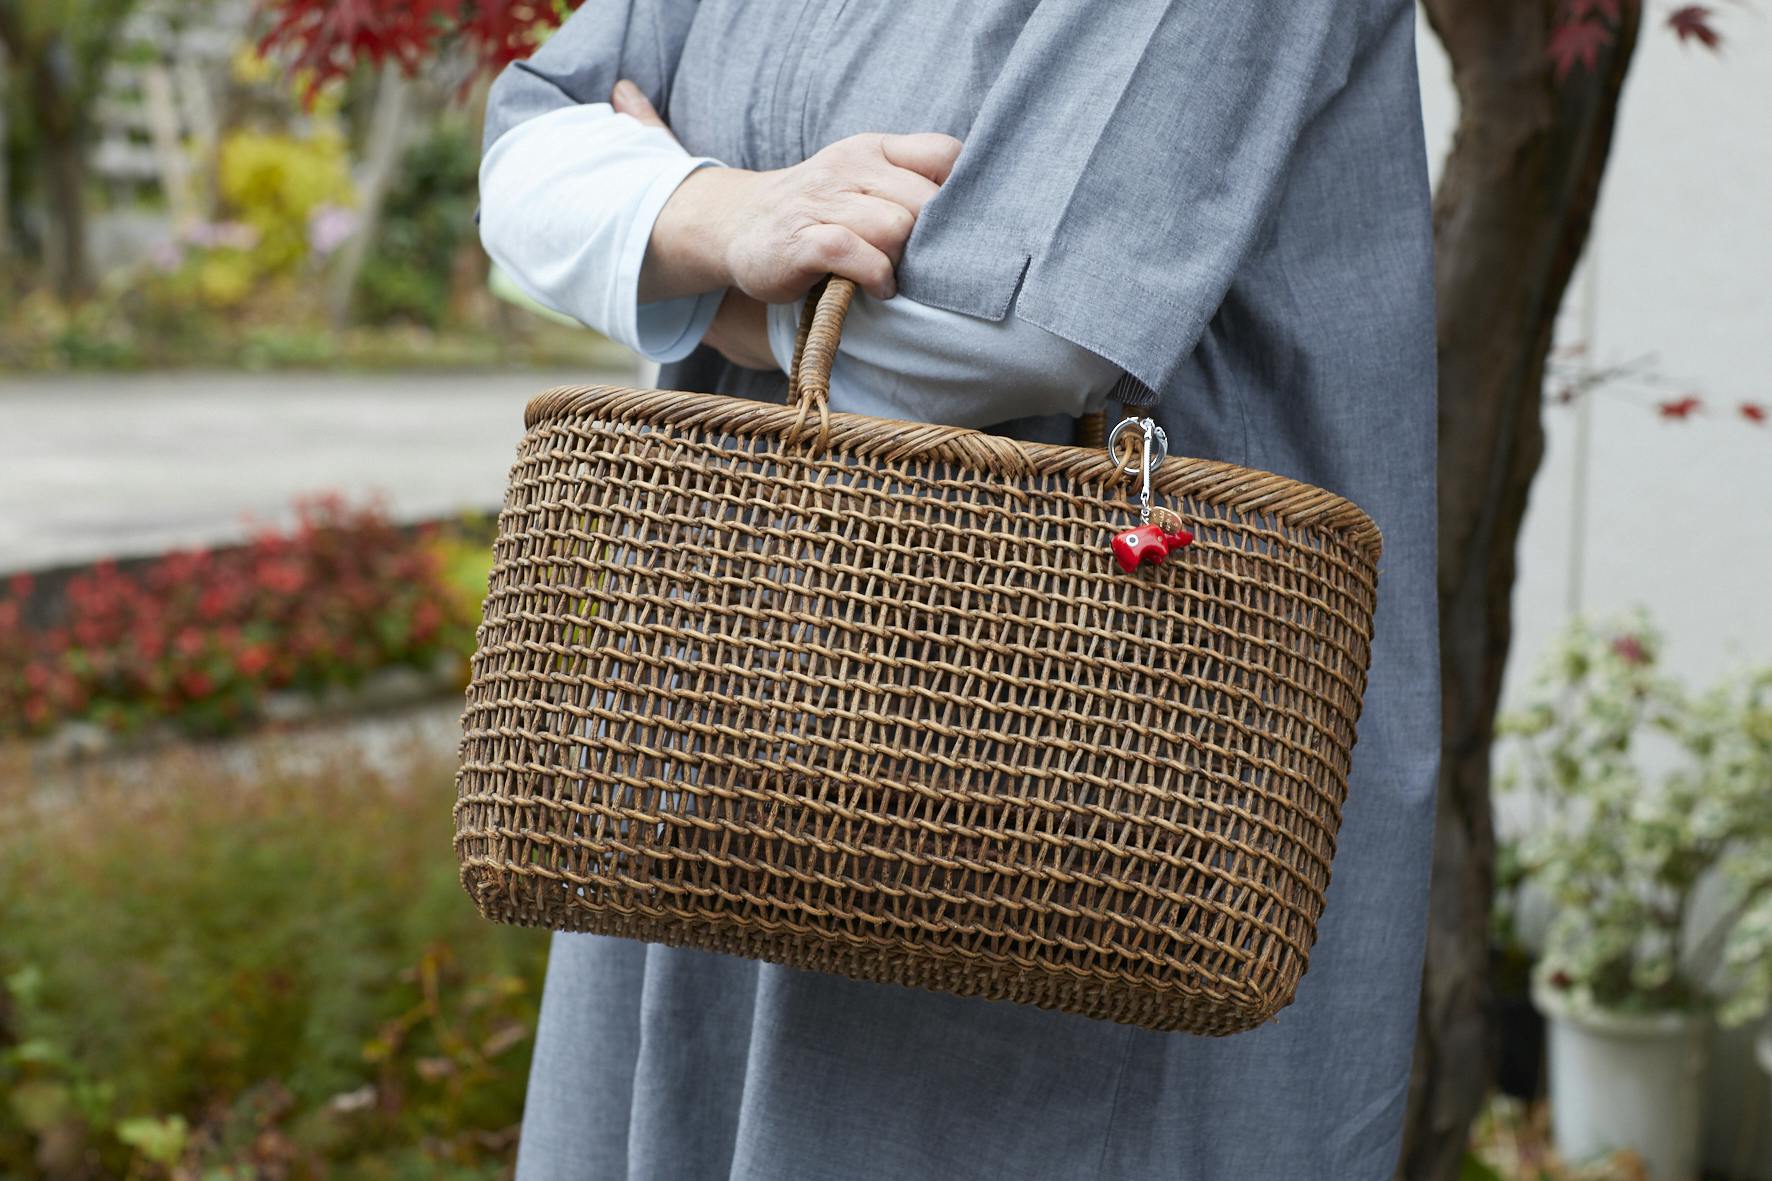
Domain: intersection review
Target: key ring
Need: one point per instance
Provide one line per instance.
(1154, 448)
(1147, 542)
(1159, 442)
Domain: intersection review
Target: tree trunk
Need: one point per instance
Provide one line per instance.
(50, 78)
(5, 174)
(64, 159)
(1511, 217)
(387, 139)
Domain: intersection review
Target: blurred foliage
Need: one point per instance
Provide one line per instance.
(427, 219)
(327, 41)
(1512, 955)
(1512, 1142)
(58, 52)
(465, 554)
(1649, 794)
(221, 971)
(276, 183)
(198, 639)
(155, 325)
(251, 283)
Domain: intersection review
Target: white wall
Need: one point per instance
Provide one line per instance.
(1679, 513)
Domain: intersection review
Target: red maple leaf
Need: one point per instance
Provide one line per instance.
(1692, 23)
(503, 31)
(1679, 408)
(327, 39)
(1577, 41)
(1753, 412)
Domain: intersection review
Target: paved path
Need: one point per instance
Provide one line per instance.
(99, 465)
(95, 465)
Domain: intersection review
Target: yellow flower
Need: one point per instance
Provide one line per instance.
(251, 68)
(274, 182)
(224, 278)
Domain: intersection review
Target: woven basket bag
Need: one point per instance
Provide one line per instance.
(873, 698)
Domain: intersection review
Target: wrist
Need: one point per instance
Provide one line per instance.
(688, 252)
(740, 333)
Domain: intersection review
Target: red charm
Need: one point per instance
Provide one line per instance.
(1148, 543)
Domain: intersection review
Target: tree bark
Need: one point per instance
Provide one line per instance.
(5, 174)
(64, 159)
(51, 79)
(1511, 217)
(58, 66)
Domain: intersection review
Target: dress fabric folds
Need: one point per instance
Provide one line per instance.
(1228, 199)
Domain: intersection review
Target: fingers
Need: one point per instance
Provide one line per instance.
(884, 225)
(928, 153)
(629, 99)
(841, 251)
(910, 190)
(848, 210)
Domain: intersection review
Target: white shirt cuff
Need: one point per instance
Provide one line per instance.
(569, 200)
(668, 329)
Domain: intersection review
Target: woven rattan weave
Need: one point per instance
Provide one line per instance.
(872, 698)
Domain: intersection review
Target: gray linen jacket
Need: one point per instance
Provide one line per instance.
(1228, 199)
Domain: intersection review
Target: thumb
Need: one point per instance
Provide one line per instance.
(628, 99)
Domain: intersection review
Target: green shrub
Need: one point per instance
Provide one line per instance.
(216, 973)
(426, 220)
(275, 184)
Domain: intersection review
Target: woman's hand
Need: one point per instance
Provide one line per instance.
(848, 211)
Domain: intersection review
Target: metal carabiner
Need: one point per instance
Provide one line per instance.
(1153, 439)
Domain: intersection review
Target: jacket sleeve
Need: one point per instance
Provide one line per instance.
(601, 43)
(567, 204)
(1180, 119)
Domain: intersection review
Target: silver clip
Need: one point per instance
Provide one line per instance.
(1153, 449)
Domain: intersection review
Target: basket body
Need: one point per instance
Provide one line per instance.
(886, 707)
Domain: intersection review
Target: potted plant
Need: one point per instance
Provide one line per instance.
(1650, 831)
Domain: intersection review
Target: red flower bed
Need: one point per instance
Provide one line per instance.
(199, 637)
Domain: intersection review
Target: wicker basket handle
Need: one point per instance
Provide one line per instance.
(821, 326)
(815, 349)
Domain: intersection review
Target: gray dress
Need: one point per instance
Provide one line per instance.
(1227, 199)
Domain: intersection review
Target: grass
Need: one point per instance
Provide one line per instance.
(242, 972)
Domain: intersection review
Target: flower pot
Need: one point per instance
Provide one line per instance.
(1624, 1082)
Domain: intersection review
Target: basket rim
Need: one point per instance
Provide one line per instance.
(1212, 481)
